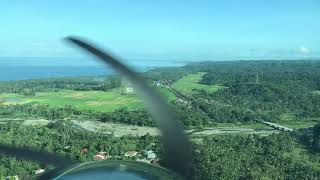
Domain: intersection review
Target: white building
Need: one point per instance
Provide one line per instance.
(158, 83)
(39, 171)
(150, 154)
(131, 153)
(127, 87)
(100, 156)
(129, 90)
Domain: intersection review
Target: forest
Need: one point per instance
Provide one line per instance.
(30, 87)
(278, 156)
(266, 90)
(251, 91)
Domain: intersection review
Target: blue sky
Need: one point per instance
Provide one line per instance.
(167, 29)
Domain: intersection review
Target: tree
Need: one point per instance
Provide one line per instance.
(316, 138)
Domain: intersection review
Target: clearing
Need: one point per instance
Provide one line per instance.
(84, 100)
(191, 81)
(119, 130)
(122, 129)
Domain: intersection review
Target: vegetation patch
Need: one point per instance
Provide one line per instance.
(77, 95)
(166, 93)
(84, 100)
(191, 82)
(118, 130)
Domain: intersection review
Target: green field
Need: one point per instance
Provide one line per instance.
(103, 101)
(89, 100)
(86, 100)
(166, 93)
(191, 81)
(289, 120)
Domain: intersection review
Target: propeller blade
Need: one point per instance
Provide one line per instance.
(39, 156)
(178, 149)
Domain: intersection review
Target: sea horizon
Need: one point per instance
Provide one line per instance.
(23, 68)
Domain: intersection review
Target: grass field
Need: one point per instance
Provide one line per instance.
(103, 101)
(289, 120)
(300, 124)
(191, 81)
(166, 93)
(88, 100)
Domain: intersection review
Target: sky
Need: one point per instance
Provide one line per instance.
(188, 30)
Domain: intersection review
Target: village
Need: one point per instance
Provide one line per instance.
(146, 156)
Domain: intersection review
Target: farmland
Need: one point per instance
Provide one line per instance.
(104, 101)
(83, 100)
(191, 81)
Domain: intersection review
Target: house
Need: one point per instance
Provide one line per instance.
(39, 171)
(129, 90)
(131, 153)
(158, 83)
(150, 155)
(127, 87)
(179, 100)
(100, 156)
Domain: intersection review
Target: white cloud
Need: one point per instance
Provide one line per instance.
(304, 50)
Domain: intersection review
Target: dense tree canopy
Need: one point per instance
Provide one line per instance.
(60, 137)
(252, 157)
(30, 87)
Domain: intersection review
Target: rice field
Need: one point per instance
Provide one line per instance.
(104, 101)
(88, 100)
(191, 81)
(85, 100)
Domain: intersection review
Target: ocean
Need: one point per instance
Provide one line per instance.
(37, 68)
